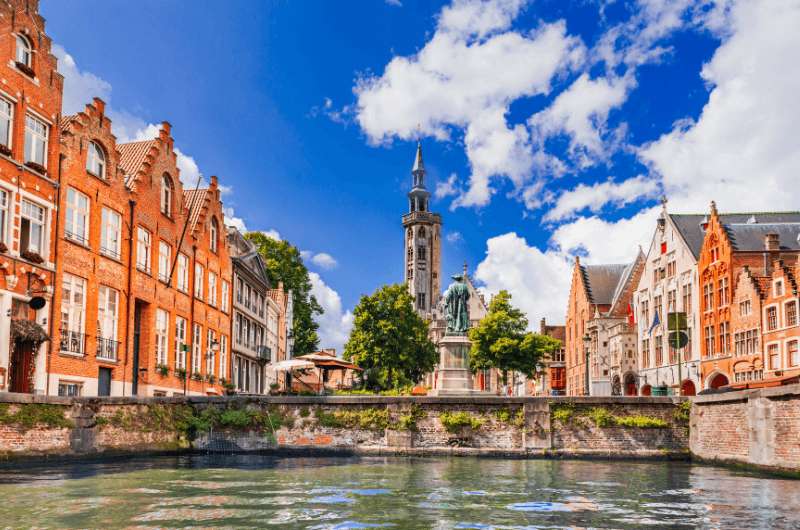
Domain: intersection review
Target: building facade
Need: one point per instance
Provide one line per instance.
(30, 112)
(732, 242)
(779, 319)
(423, 246)
(552, 379)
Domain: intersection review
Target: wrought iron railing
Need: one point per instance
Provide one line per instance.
(73, 342)
(107, 349)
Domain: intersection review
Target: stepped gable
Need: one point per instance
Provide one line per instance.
(134, 156)
(601, 281)
(196, 203)
(690, 226)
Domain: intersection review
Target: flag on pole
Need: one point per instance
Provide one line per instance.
(656, 322)
(631, 315)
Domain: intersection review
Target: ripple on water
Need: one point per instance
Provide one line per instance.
(540, 506)
(332, 499)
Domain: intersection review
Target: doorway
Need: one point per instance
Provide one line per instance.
(104, 382)
(21, 368)
(138, 311)
(688, 388)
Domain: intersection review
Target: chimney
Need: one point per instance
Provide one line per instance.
(772, 242)
(543, 326)
(100, 105)
(165, 131)
(214, 182)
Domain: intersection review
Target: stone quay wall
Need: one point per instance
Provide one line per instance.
(754, 427)
(593, 427)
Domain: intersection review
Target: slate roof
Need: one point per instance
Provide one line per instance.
(746, 237)
(132, 156)
(602, 280)
(193, 202)
(689, 224)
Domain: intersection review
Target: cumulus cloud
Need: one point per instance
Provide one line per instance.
(272, 233)
(324, 260)
(597, 195)
(232, 220)
(454, 237)
(742, 150)
(79, 86)
(447, 187)
(335, 323)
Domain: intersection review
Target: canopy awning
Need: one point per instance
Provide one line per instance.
(328, 361)
(291, 364)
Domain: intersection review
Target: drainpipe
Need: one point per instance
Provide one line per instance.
(132, 205)
(190, 353)
(55, 279)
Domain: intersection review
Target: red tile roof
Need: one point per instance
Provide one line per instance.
(133, 156)
(194, 201)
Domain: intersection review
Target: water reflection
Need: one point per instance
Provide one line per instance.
(355, 493)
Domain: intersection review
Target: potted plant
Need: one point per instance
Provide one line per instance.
(273, 388)
(162, 369)
(25, 69)
(36, 167)
(197, 376)
(229, 388)
(180, 373)
(33, 257)
(211, 379)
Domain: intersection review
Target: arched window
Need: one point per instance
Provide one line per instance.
(214, 234)
(24, 51)
(166, 195)
(96, 160)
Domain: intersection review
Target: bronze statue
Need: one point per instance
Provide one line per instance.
(456, 300)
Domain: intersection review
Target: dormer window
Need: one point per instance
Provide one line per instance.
(96, 161)
(167, 193)
(214, 234)
(24, 51)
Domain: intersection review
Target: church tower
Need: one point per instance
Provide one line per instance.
(423, 248)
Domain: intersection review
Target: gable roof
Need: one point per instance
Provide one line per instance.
(194, 202)
(689, 225)
(601, 281)
(66, 120)
(749, 237)
(133, 155)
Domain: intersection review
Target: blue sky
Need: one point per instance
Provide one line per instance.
(549, 128)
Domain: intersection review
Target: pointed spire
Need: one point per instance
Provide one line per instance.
(418, 164)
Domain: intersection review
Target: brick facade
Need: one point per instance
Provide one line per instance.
(30, 108)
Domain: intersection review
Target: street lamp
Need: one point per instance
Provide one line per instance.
(586, 341)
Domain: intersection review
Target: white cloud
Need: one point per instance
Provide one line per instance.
(464, 80)
(597, 195)
(334, 323)
(324, 260)
(396, 3)
(272, 233)
(232, 220)
(79, 86)
(742, 151)
(446, 188)
(454, 237)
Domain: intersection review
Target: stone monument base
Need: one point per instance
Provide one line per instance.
(453, 375)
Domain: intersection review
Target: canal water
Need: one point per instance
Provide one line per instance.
(236, 491)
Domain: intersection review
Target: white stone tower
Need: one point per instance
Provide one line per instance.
(423, 247)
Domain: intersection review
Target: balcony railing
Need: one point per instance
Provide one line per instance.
(73, 342)
(264, 353)
(110, 252)
(107, 349)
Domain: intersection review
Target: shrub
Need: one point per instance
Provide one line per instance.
(562, 412)
(601, 417)
(408, 421)
(455, 421)
(374, 419)
(683, 411)
(30, 415)
(641, 422)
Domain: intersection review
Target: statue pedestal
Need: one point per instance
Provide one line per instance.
(454, 377)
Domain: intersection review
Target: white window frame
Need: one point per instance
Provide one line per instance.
(767, 360)
(212, 288)
(78, 208)
(162, 336)
(789, 363)
(73, 384)
(73, 313)
(7, 116)
(226, 290)
(96, 160)
(210, 352)
(197, 336)
(26, 213)
(199, 273)
(183, 272)
(23, 50)
(213, 233)
(5, 200)
(223, 355)
(180, 340)
(111, 233)
(167, 194)
(107, 321)
(164, 260)
(144, 244)
(36, 141)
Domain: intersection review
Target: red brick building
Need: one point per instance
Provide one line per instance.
(779, 321)
(553, 380)
(30, 107)
(731, 243)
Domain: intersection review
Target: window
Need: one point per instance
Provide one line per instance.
(773, 357)
(198, 281)
(164, 261)
(646, 312)
(739, 343)
(183, 273)
(107, 317)
(778, 288)
(6, 122)
(671, 268)
(791, 314)
(162, 325)
(213, 234)
(166, 195)
(196, 348)
(32, 227)
(96, 160)
(645, 353)
(24, 53)
(210, 352)
(223, 355)
(724, 337)
(212, 288)
(708, 297)
(225, 295)
(420, 300)
(772, 318)
(723, 291)
(77, 221)
(69, 389)
(752, 341)
(35, 141)
(709, 340)
(239, 290)
(180, 342)
(672, 300)
(745, 308)
(792, 353)
(143, 249)
(687, 297)
(3, 215)
(659, 342)
(111, 234)
(73, 310)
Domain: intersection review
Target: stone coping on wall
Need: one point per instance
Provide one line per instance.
(7, 397)
(744, 395)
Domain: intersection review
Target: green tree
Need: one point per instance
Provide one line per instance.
(284, 264)
(390, 340)
(501, 341)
